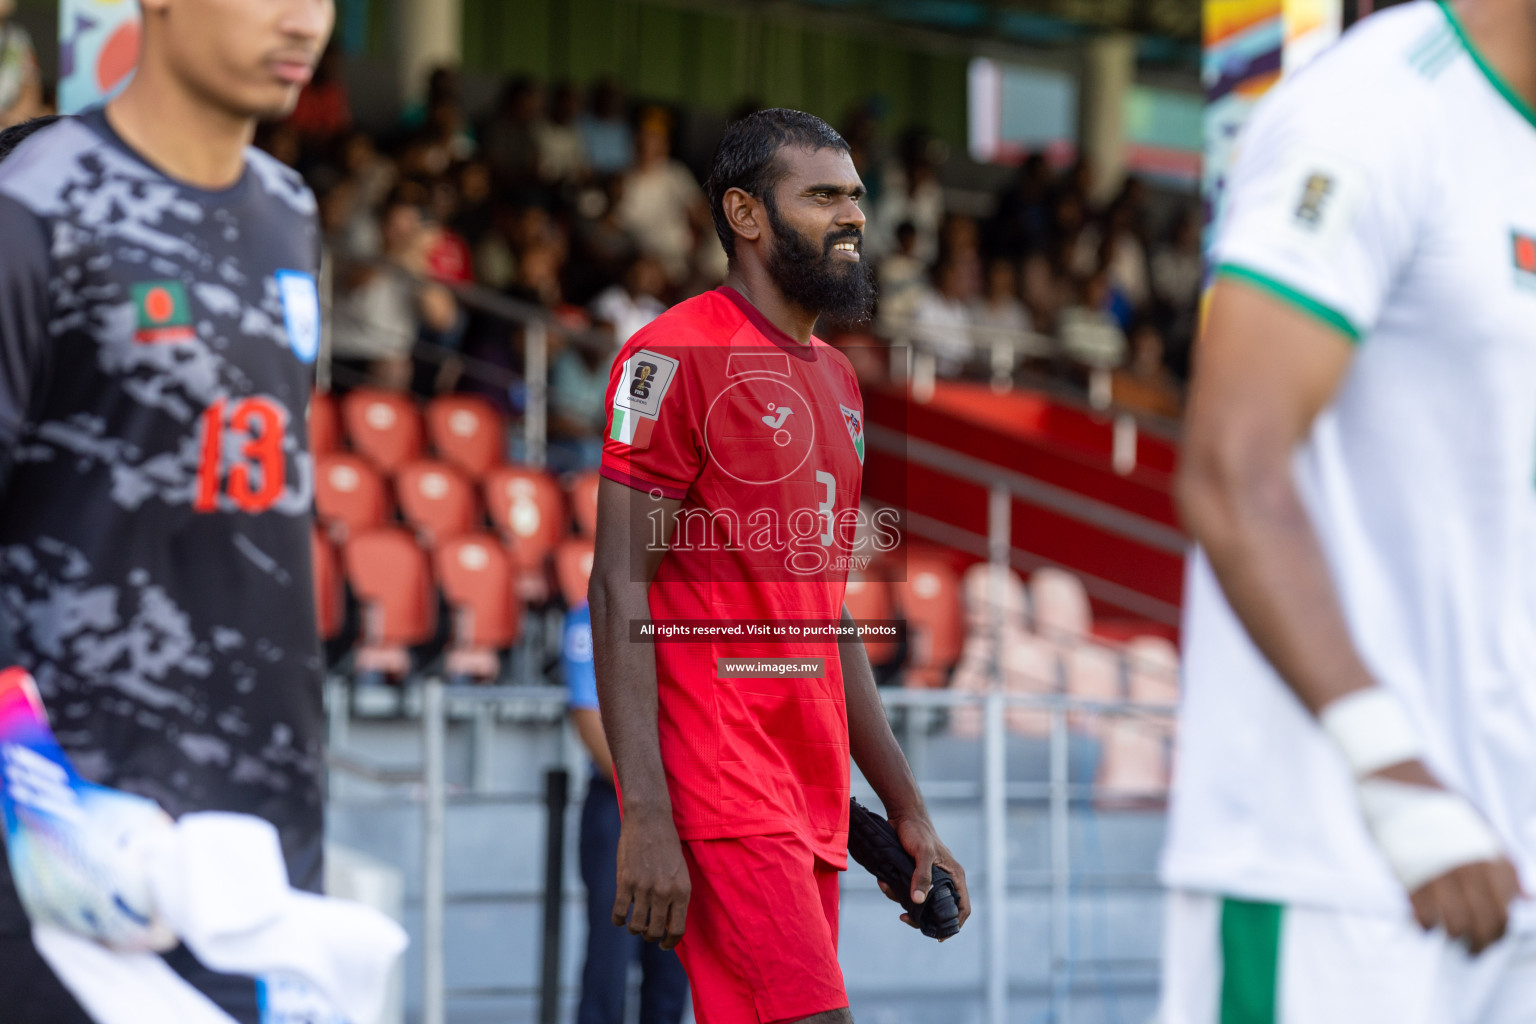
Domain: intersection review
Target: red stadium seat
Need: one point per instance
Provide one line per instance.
(329, 596)
(1061, 610)
(349, 494)
(930, 603)
(466, 431)
(436, 500)
(528, 509)
(1138, 749)
(976, 589)
(573, 569)
(476, 579)
(383, 426)
(391, 578)
(584, 502)
(1093, 673)
(869, 599)
(324, 424)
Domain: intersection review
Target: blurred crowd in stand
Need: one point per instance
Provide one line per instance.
(573, 200)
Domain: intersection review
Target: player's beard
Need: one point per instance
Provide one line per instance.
(814, 279)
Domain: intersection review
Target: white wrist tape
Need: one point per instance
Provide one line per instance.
(1372, 730)
(1424, 832)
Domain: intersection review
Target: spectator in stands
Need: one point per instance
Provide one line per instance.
(605, 133)
(1046, 290)
(663, 206)
(538, 275)
(1178, 270)
(610, 948)
(1023, 215)
(903, 281)
(510, 139)
(941, 323)
(1090, 332)
(448, 259)
(1121, 253)
(912, 193)
(630, 305)
(562, 151)
(604, 249)
(1144, 384)
(474, 213)
(374, 173)
(385, 309)
(998, 315)
(443, 87)
(21, 86)
(323, 114)
(578, 385)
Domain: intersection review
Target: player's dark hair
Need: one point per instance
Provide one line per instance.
(748, 158)
(16, 134)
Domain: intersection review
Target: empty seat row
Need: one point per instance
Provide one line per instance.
(396, 583)
(389, 430)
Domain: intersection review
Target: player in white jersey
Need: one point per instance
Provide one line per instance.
(1358, 736)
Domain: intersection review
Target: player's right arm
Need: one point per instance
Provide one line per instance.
(1328, 205)
(653, 886)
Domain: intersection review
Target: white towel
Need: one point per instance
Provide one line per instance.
(219, 882)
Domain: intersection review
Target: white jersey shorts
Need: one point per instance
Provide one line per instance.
(1229, 961)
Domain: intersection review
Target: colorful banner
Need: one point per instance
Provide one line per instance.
(1249, 45)
(98, 48)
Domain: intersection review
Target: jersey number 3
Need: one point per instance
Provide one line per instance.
(255, 482)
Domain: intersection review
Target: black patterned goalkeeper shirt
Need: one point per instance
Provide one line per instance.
(156, 343)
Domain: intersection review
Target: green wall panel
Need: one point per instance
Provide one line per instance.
(595, 42)
(715, 59)
(660, 46)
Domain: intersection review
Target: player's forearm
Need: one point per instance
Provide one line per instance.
(626, 690)
(870, 740)
(1247, 515)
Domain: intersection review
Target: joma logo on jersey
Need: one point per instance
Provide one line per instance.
(1525, 259)
(1314, 199)
(640, 384)
(163, 313)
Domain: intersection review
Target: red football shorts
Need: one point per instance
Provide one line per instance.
(760, 943)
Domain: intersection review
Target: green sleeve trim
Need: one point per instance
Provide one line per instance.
(1327, 314)
(1250, 961)
(1502, 86)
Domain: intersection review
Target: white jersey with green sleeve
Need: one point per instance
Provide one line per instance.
(1388, 190)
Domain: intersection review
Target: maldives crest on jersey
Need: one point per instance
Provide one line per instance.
(854, 421)
(1525, 259)
(301, 312)
(162, 313)
(643, 383)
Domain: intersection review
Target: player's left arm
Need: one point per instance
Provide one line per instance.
(879, 757)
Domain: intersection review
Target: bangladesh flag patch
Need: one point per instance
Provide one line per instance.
(1525, 259)
(630, 428)
(162, 312)
(854, 421)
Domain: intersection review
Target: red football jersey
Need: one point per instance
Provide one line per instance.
(762, 439)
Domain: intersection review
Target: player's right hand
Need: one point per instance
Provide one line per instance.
(1469, 901)
(653, 879)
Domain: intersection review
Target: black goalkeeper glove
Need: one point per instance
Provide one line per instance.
(872, 841)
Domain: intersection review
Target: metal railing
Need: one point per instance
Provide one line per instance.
(429, 782)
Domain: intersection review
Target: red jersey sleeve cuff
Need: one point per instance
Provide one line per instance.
(619, 476)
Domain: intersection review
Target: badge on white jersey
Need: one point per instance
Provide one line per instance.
(854, 421)
(301, 312)
(1316, 200)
